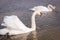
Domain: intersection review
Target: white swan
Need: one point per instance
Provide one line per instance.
(14, 26)
(44, 9)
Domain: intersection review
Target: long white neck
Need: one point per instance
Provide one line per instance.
(50, 7)
(33, 24)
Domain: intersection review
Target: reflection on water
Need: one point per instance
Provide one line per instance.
(49, 34)
(20, 37)
(34, 34)
(14, 37)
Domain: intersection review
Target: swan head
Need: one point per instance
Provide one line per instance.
(39, 13)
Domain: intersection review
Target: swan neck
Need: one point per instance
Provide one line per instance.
(33, 21)
(50, 8)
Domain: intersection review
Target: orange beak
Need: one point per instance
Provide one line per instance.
(41, 14)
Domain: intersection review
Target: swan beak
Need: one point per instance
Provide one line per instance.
(41, 14)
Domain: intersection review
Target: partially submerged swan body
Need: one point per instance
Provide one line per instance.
(44, 9)
(14, 26)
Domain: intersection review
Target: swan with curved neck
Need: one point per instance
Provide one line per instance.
(14, 26)
(43, 9)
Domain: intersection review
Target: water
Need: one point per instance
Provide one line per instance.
(48, 27)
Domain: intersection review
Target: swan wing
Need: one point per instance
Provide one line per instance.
(13, 22)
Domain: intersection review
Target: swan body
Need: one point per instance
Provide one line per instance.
(13, 22)
(43, 9)
(14, 26)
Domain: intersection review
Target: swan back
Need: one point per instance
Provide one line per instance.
(43, 9)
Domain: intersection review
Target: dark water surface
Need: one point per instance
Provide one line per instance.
(48, 26)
